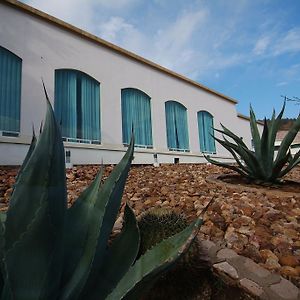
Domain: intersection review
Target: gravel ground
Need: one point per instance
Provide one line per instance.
(263, 223)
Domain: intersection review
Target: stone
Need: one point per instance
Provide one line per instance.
(289, 260)
(285, 289)
(256, 269)
(289, 271)
(251, 287)
(206, 245)
(252, 252)
(266, 254)
(225, 267)
(271, 264)
(164, 190)
(226, 254)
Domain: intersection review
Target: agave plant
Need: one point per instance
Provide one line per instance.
(49, 251)
(262, 164)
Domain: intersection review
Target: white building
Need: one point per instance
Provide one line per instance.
(101, 92)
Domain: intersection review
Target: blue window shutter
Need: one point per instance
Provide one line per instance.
(206, 132)
(177, 128)
(10, 91)
(136, 115)
(77, 105)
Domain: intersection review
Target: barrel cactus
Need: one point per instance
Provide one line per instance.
(183, 281)
(49, 251)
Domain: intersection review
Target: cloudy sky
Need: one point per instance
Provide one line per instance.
(246, 49)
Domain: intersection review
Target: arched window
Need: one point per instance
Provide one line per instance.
(177, 127)
(206, 132)
(10, 92)
(77, 106)
(136, 115)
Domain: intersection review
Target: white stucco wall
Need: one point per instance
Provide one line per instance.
(45, 47)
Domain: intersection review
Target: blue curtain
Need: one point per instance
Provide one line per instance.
(206, 132)
(90, 108)
(10, 91)
(136, 114)
(177, 127)
(77, 105)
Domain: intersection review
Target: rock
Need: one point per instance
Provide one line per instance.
(218, 220)
(289, 260)
(289, 271)
(251, 287)
(164, 190)
(266, 254)
(271, 264)
(253, 253)
(242, 221)
(285, 289)
(225, 267)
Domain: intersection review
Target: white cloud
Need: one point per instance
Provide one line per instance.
(261, 45)
(112, 29)
(288, 43)
(76, 12)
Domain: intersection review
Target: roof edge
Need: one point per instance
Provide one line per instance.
(40, 14)
(248, 118)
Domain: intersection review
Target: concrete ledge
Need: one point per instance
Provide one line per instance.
(242, 272)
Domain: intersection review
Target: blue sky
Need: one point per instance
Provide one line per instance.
(246, 49)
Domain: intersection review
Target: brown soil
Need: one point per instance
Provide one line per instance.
(286, 186)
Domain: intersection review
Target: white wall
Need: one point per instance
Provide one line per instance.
(45, 47)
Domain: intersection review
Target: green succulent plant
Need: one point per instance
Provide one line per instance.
(262, 165)
(49, 251)
(184, 280)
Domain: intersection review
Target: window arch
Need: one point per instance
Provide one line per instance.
(136, 115)
(206, 132)
(177, 127)
(77, 106)
(10, 92)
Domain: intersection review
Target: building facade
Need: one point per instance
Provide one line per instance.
(100, 93)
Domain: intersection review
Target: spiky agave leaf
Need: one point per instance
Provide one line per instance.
(101, 218)
(260, 164)
(153, 262)
(118, 258)
(35, 218)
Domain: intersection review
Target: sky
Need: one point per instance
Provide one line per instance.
(246, 49)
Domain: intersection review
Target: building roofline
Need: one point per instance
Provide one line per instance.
(248, 118)
(84, 34)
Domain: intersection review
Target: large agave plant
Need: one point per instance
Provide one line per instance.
(49, 251)
(262, 164)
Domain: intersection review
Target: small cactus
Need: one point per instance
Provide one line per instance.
(181, 281)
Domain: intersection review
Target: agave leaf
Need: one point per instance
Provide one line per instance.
(228, 166)
(288, 139)
(36, 214)
(101, 221)
(253, 166)
(154, 261)
(293, 163)
(77, 226)
(2, 270)
(230, 134)
(255, 134)
(233, 153)
(278, 167)
(264, 149)
(28, 155)
(118, 258)
(273, 129)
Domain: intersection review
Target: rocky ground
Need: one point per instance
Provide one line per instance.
(263, 223)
